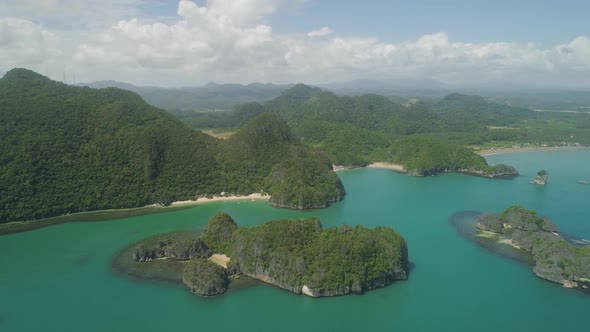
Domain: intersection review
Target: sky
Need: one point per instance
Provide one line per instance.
(185, 43)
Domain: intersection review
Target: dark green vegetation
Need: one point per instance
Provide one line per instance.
(204, 277)
(555, 259)
(422, 157)
(296, 255)
(358, 130)
(70, 149)
(355, 131)
(265, 156)
(128, 261)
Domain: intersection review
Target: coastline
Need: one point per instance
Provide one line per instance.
(389, 166)
(378, 165)
(200, 200)
(337, 168)
(490, 152)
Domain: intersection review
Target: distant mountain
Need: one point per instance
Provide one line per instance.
(407, 88)
(508, 93)
(548, 100)
(209, 97)
(69, 149)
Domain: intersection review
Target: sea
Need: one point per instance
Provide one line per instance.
(60, 278)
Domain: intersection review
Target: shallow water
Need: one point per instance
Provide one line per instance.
(59, 278)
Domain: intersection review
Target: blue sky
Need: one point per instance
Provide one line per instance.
(541, 21)
(175, 43)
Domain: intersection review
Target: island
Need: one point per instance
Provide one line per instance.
(541, 178)
(297, 255)
(555, 258)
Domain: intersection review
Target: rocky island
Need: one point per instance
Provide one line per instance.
(555, 259)
(296, 255)
(541, 178)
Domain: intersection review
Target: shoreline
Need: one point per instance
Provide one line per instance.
(491, 152)
(113, 214)
(377, 165)
(389, 166)
(201, 200)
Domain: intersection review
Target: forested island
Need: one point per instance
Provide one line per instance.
(296, 255)
(69, 149)
(555, 259)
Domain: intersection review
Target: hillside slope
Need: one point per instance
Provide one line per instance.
(70, 149)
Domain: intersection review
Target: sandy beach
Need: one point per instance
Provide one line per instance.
(220, 260)
(200, 200)
(383, 165)
(490, 152)
(337, 168)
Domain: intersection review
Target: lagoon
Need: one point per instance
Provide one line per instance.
(59, 278)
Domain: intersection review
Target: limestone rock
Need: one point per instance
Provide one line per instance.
(205, 278)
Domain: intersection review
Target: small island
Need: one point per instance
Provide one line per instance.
(541, 178)
(297, 255)
(555, 259)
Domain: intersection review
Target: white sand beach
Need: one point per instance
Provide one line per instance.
(384, 165)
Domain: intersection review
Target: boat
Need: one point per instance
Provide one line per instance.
(583, 182)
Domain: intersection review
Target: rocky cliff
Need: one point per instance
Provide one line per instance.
(541, 178)
(296, 255)
(555, 259)
(302, 257)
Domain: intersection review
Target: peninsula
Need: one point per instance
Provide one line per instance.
(296, 255)
(70, 149)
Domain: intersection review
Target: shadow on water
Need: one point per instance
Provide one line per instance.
(464, 223)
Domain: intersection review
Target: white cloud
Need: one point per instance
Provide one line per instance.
(224, 39)
(232, 41)
(323, 32)
(23, 43)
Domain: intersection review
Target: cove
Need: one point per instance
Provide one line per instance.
(59, 278)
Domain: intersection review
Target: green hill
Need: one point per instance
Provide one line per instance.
(70, 149)
(358, 130)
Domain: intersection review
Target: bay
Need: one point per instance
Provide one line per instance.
(59, 278)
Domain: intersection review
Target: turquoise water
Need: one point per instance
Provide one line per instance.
(59, 278)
